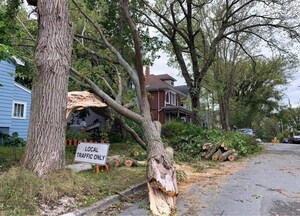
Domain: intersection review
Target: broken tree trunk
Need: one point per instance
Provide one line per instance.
(78, 100)
(216, 155)
(224, 156)
(161, 175)
(232, 156)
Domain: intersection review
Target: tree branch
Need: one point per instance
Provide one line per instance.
(112, 103)
(131, 72)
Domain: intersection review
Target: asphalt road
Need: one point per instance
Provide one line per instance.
(268, 185)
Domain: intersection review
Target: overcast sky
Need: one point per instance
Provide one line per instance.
(291, 91)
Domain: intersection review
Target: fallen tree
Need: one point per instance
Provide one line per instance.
(161, 176)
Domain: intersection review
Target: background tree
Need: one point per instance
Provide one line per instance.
(225, 70)
(195, 28)
(45, 145)
(257, 93)
(18, 33)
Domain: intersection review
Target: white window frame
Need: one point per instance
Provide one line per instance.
(13, 109)
(172, 98)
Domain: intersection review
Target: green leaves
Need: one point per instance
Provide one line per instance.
(187, 140)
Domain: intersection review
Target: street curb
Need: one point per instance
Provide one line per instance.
(94, 208)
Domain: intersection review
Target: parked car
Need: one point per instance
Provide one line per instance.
(295, 138)
(247, 131)
(285, 140)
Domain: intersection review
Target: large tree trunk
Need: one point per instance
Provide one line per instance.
(224, 112)
(161, 175)
(196, 115)
(45, 145)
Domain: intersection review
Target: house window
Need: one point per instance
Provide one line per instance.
(171, 98)
(19, 110)
(168, 98)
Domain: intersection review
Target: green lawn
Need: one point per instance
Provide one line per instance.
(22, 192)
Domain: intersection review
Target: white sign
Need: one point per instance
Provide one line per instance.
(95, 153)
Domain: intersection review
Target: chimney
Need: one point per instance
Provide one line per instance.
(147, 76)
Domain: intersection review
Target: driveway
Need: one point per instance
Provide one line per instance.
(265, 185)
(268, 184)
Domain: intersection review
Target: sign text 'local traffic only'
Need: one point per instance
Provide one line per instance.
(95, 153)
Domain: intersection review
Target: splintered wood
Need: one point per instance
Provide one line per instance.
(78, 100)
(162, 184)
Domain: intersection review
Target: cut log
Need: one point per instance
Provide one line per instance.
(110, 163)
(207, 146)
(131, 162)
(136, 153)
(212, 150)
(224, 156)
(216, 155)
(223, 146)
(232, 156)
(118, 160)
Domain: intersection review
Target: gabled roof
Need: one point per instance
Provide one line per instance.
(22, 87)
(156, 83)
(17, 61)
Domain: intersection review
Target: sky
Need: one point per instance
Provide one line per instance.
(291, 91)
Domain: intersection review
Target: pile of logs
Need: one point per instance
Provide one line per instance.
(218, 151)
(117, 161)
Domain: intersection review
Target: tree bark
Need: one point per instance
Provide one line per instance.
(224, 155)
(161, 175)
(224, 112)
(45, 145)
(196, 116)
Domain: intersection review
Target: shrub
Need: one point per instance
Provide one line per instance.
(14, 140)
(173, 128)
(73, 135)
(187, 140)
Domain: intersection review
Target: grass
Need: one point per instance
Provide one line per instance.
(22, 192)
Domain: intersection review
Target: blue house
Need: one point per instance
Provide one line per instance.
(15, 101)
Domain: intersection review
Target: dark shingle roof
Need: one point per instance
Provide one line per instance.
(156, 83)
(183, 88)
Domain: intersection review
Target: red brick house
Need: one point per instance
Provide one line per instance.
(167, 102)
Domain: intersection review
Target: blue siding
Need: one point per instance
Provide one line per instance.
(6, 92)
(10, 92)
(21, 125)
